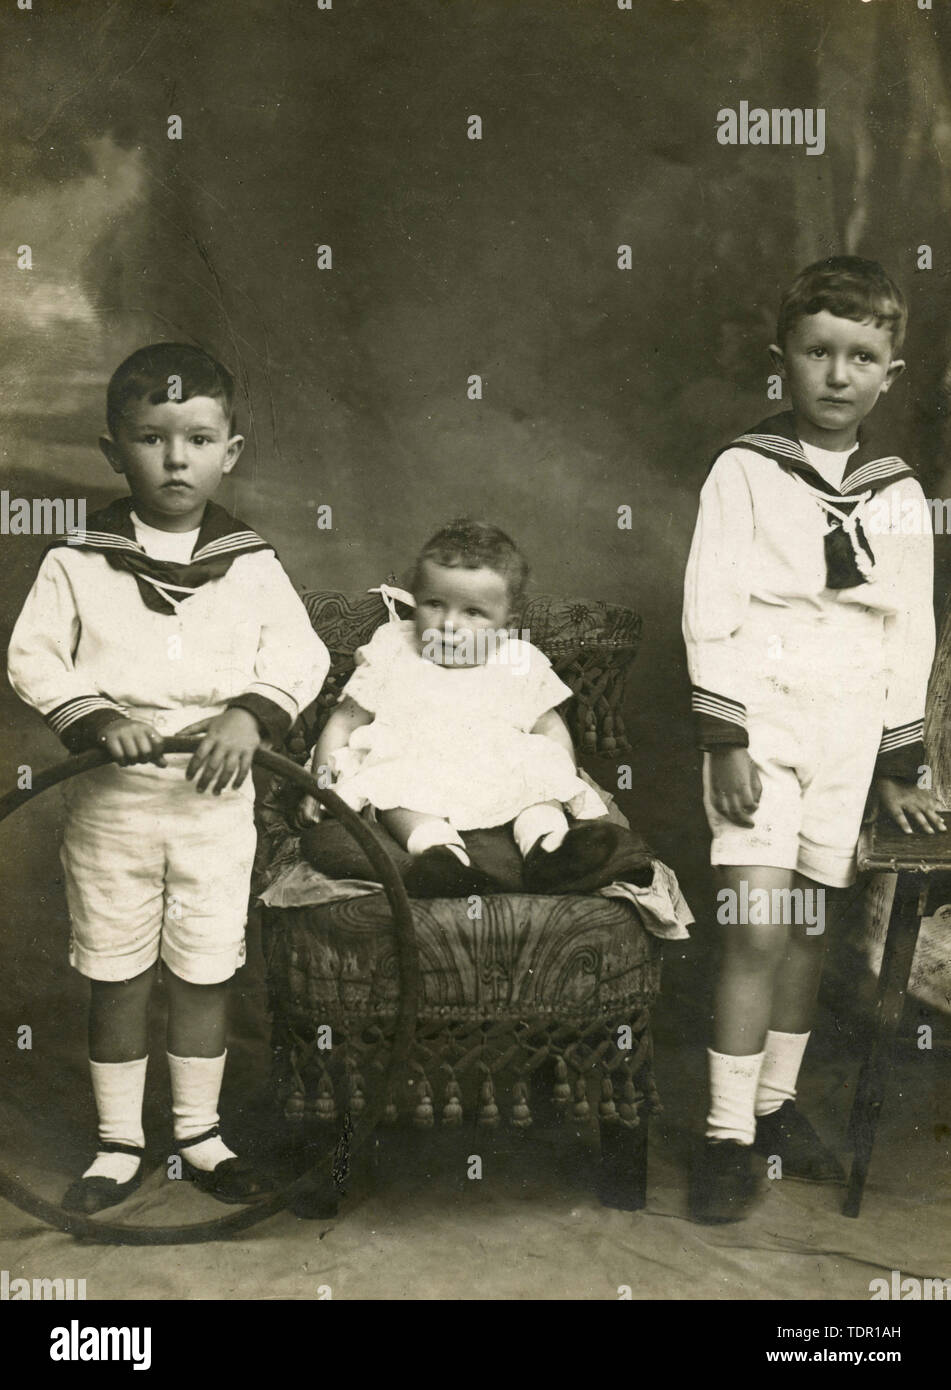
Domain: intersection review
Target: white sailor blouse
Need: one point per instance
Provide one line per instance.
(772, 528)
(108, 631)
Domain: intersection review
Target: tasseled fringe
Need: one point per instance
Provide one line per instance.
(324, 1107)
(627, 1110)
(310, 1092)
(358, 1101)
(423, 1114)
(589, 737)
(562, 1091)
(607, 1110)
(452, 1110)
(488, 1110)
(521, 1114)
(295, 1106)
(609, 741)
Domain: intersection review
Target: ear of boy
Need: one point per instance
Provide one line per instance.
(894, 371)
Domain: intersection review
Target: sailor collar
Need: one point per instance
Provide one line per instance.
(165, 585)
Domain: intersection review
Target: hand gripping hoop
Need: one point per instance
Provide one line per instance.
(77, 1224)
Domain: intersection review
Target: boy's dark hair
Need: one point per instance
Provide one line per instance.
(473, 545)
(849, 287)
(145, 375)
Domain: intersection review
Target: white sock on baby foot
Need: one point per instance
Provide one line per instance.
(431, 833)
(118, 1088)
(732, 1089)
(546, 822)
(780, 1071)
(196, 1086)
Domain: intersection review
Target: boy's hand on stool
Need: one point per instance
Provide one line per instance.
(225, 752)
(735, 786)
(130, 741)
(905, 801)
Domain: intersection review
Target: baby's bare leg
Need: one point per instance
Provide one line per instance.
(416, 832)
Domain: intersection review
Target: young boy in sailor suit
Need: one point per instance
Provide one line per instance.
(809, 628)
(166, 617)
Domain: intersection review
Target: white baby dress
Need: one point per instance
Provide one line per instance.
(456, 742)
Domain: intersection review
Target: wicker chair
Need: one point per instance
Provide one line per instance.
(520, 995)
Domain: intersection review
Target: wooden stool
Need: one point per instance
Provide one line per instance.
(884, 848)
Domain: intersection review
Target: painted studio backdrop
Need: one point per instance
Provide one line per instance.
(348, 128)
(296, 186)
(304, 127)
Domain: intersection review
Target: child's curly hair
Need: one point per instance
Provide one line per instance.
(849, 287)
(474, 545)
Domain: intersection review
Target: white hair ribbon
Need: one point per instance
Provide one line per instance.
(391, 596)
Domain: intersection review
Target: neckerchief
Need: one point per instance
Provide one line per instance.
(849, 557)
(165, 585)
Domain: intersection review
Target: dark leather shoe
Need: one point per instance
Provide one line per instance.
(234, 1180)
(438, 873)
(722, 1184)
(89, 1195)
(789, 1134)
(592, 855)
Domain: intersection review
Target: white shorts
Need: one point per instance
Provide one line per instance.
(153, 867)
(814, 717)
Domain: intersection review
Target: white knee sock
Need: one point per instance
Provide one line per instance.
(732, 1090)
(547, 820)
(436, 832)
(781, 1062)
(196, 1086)
(118, 1088)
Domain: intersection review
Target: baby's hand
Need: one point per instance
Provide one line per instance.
(226, 750)
(735, 786)
(130, 741)
(309, 811)
(903, 800)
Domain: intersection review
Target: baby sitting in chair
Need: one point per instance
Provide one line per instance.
(449, 723)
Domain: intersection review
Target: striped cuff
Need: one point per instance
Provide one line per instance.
(272, 717)
(901, 753)
(721, 723)
(79, 722)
